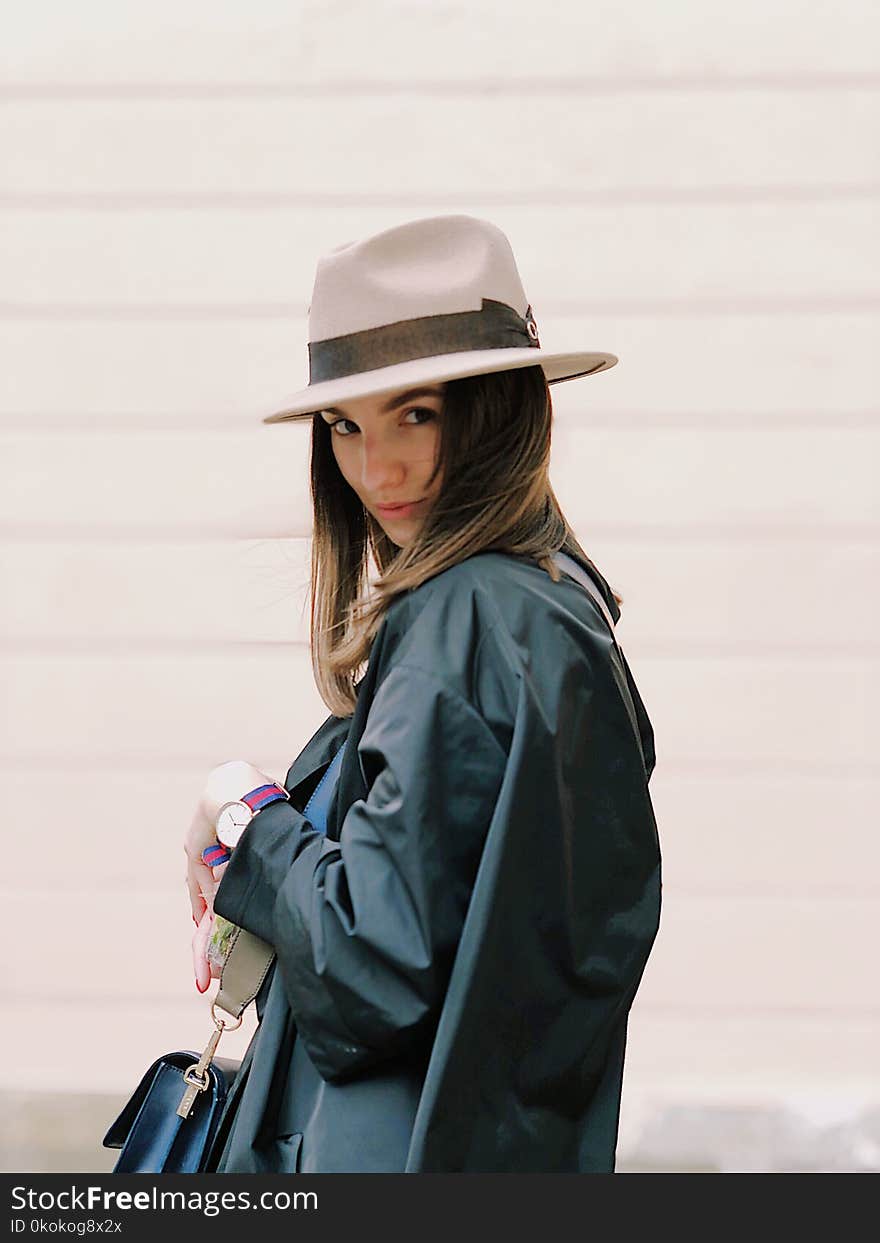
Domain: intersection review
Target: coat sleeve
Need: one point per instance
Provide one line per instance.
(365, 928)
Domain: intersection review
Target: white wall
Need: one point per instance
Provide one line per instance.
(692, 186)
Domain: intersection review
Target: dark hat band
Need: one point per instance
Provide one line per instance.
(496, 326)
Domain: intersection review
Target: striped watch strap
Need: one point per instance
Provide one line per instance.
(258, 798)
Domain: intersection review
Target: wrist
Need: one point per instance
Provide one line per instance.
(235, 816)
(228, 783)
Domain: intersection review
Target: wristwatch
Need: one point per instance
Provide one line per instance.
(234, 817)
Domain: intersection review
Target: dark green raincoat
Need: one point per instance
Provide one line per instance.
(457, 958)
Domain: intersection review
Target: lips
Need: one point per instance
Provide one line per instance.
(397, 508)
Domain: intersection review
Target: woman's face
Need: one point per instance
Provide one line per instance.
(386, 447)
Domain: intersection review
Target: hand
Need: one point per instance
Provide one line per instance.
(225, 783)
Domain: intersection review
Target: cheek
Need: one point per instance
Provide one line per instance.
(343, 460)
(430, 447)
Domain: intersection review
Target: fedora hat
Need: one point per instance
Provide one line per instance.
(430, 300)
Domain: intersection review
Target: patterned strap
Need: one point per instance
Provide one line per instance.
(216, 854)
(263, 795)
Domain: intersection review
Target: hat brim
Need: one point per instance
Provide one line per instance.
(308, 401)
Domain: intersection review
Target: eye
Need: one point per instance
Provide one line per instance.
(432, 414)
(335, 427)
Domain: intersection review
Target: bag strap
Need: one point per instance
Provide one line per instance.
(249, 957)
(569, 566)
(318, 806)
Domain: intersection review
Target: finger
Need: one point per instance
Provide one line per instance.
(202, 886)
(200, 833)
(200, 938)
(196, 901)
(209, 889)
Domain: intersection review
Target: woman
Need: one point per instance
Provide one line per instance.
(455, 960)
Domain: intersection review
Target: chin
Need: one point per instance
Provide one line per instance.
(399, 535)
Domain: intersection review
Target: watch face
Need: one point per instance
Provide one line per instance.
(232, 821)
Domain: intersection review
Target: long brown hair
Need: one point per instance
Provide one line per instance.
(494, 452)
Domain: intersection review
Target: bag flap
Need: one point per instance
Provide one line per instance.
(221, 1067)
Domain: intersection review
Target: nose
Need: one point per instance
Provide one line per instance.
(381, 469)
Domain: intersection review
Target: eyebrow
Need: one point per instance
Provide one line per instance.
(400, 400)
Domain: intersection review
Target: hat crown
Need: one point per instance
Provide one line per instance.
(436, 266)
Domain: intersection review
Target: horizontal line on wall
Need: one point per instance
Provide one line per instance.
(711, 773)
(672, 893)
(814, 892)
(158, 893)
(734, 1009)
(761, 769)
(111, 647)
(470, 198)
(684, 769)
(120, 533)
(657, 533)
(512, 86)
(814, 304)
(114, 646)
(152, 311)
(103, 424)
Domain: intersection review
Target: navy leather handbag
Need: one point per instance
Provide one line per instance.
(153, 1137)
(169, 1123)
